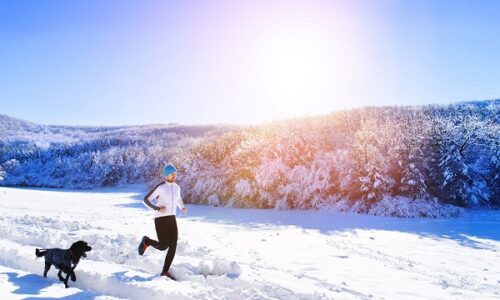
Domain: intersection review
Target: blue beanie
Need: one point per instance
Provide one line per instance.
(169, 169)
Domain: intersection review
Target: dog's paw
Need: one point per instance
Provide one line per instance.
(73, 277)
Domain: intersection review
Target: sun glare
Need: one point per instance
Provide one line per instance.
(292, 72)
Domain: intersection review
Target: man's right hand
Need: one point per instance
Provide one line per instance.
(162, 209)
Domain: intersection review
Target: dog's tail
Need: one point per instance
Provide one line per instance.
(40, 252)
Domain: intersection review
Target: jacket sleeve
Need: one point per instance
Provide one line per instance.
(180, 203)
(151, 194)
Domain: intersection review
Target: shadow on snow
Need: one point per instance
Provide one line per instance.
(31, 284)
(480, 224)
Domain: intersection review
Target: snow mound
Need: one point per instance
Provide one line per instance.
(403, 207)
(400, 207)
(220, 266)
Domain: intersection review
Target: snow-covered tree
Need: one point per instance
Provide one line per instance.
(12, 167)
(411, 161)
(371, 181)
(494, 171)
(456, 179)
(413, 181)
(357, 157)
(2, 173)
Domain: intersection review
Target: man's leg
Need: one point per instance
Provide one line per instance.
(161, 225)
(172, 244)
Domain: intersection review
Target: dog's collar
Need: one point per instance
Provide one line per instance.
(71, 254)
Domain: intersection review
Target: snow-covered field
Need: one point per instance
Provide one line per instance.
(243, 254)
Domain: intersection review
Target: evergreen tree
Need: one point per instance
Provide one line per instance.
(413, 181)
(371, 182)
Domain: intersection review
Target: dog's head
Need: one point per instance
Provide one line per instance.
(80, 248)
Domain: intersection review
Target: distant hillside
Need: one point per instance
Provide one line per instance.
(398, 161)
(17, 130)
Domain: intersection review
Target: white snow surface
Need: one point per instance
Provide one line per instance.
(243, 253)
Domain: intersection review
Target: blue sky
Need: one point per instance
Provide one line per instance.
(197, 62)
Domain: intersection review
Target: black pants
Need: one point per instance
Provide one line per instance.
(166, 230)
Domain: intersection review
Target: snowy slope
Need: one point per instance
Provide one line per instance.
(243, 254)
(14, 130)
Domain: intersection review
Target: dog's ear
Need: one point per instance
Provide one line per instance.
(78, 249)
(75, 248)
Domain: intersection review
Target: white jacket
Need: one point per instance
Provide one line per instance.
(164, 194)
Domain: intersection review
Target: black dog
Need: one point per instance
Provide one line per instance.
(64, 260)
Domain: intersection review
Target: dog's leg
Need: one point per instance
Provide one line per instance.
(73, 275)
(59, 275)
(67, 277)
(47, 268)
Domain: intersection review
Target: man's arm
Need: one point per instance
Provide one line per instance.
(146, 200)
(180, 203)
